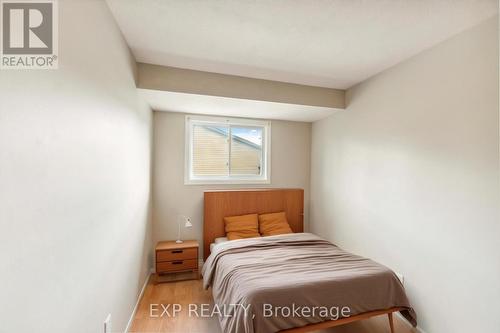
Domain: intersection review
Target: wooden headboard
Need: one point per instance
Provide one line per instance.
(221, 203)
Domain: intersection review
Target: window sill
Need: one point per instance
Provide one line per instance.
(226, 181)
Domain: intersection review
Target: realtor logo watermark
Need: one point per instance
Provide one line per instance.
(29, 34)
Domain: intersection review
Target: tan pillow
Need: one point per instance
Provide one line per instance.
(243, 226)
(274, 224)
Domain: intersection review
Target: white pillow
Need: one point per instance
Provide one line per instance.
(221, 240)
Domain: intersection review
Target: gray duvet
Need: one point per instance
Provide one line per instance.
(261, 282)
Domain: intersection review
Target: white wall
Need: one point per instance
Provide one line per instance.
(290, 167)
(409, 175)
(75, 236)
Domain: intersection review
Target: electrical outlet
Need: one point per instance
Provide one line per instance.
(107, 324)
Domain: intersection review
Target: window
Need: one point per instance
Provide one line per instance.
(227, 150)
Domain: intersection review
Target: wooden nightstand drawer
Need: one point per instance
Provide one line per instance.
(176, 254)
(177, 265)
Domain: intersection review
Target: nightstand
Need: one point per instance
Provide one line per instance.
(173, 258)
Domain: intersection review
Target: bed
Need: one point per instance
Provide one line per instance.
(270, 277)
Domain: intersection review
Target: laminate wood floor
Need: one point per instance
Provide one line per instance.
(191, 292)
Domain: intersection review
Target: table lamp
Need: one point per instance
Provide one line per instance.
(187, 224)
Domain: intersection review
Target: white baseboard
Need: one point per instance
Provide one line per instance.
(406, 322)
(131, 319)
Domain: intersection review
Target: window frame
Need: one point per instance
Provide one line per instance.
(263, 178)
